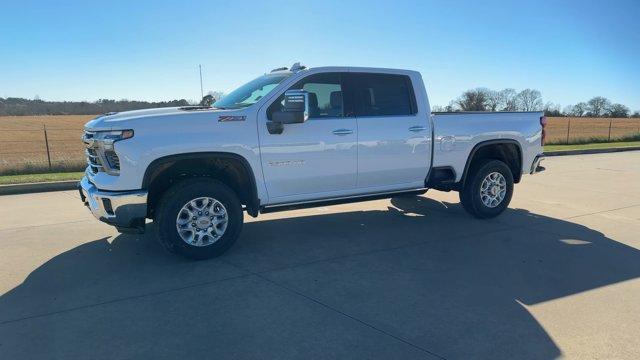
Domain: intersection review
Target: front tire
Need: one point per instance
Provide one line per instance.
(199, 218)
(488, 189)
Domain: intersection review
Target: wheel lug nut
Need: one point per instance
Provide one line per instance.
(193, 218)
(193, 224)
(199, 212)
(206, 213)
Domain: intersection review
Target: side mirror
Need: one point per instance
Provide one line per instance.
(296, 108)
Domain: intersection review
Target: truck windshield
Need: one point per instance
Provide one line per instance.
(250, 92)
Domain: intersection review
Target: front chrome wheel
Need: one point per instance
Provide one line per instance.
(202, 221)
(493, 189)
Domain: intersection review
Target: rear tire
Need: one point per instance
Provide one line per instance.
(206, 235)
(488, 189)
(466, 202)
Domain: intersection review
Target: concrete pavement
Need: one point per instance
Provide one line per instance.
(556, 275)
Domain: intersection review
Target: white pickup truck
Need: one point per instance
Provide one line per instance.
(294, 138)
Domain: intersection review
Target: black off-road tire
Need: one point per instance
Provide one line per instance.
(470, 193)
(179, 195)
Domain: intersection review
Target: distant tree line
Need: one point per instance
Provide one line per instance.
(483, 99)
(19, 106)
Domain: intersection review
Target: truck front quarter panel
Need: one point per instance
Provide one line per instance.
(190, 132)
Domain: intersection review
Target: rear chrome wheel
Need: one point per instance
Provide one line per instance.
(202, 221)
(488, 188)
(493, 189)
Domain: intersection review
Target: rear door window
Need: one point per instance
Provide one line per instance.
(383, 95)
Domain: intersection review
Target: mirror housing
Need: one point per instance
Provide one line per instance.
(275, 128)
(296, 108)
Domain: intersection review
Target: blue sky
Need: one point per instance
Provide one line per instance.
(150, 50)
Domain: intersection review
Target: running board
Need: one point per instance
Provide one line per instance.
(337, 201)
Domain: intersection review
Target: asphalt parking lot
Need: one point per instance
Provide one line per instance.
(415, 277)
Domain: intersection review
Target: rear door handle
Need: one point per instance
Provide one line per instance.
(342, 132)
(417, 128)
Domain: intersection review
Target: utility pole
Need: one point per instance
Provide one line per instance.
(201, 90)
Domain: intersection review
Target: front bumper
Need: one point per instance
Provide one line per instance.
(536, 167)
(126, 210)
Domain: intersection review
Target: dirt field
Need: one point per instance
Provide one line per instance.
(23, 147)
(586, 128)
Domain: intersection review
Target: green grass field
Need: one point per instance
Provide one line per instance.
(611, 145)
(36, 178)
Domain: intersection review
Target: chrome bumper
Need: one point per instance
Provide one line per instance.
(536, 167)
(126, 210)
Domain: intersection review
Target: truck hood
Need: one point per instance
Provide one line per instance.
(119, 120)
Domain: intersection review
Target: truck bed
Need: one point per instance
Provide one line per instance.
(456, 135)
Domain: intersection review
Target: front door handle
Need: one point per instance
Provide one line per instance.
(417, 128)
(342, 132)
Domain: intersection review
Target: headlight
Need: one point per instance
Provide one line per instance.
(116, 134)
(107, 138)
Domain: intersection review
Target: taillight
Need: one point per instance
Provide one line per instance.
(543, 122)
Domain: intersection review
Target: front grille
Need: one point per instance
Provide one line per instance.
(93, 160)
(98, 159)
(91, 152)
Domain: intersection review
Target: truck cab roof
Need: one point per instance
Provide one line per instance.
(360, 69)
